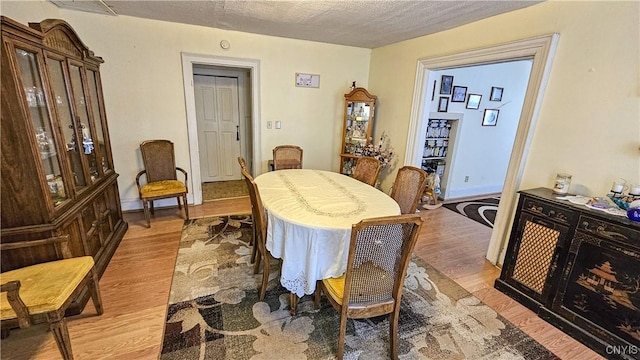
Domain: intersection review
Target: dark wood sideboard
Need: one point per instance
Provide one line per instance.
(579, 269)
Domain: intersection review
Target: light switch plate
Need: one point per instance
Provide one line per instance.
(278, 124)
(268, 124)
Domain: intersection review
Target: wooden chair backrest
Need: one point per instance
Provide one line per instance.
(287, 157)
(367, 170)
(159, 160)
(408, 188)
(379, 253)
(243, 163)
(257, 211)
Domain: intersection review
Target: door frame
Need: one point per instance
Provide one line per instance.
(188, 61)
(541, 50)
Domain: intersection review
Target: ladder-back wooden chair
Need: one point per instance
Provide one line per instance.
(367, 170)
(287, 157)
(161, 177)
(408, 188)
(43, 292)
(379, 253)
(260, 225)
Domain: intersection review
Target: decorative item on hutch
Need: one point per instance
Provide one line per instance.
(359, 110)
(51, 186)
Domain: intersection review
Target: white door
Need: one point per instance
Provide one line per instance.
(218, 119)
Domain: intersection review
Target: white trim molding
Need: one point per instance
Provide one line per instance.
(541, 50)
(188, 61)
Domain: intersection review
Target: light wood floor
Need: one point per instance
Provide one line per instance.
(135, 288)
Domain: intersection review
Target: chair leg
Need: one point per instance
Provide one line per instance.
(94, 290)
(265, 277)
(317, 294)
(152, 208)
(186, 206)
(256, 264)
(343, 332)
(58, 326)
(145, 205)
(179, 205)
(253, 243)
(393, 334)
(293, 303)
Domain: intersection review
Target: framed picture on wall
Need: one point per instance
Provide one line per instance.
(496, 93)
(446, 84)
(459, 94)
(473, 101)
(443, 104)
(490, 117)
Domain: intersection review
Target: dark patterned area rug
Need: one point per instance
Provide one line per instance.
(481, 210)
(214, 312)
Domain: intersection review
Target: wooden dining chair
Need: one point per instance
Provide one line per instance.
(161, 177)
(408, 188)
(287, 157)
(43, 292)
(259, 219)
(254, 245)
(379, 254)
(367, 170)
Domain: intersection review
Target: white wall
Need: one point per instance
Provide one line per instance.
(143, 85)
(589, 120)
(483, 152)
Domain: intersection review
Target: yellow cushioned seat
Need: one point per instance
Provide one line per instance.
(335, 288)
(162, 188)
(46, 286)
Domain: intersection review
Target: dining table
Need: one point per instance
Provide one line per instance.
(309, 218)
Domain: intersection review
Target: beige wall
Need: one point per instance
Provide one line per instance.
(589, 121)
(143, 85)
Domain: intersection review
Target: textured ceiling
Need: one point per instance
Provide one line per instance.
(363, 23)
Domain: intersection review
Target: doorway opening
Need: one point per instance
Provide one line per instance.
(541, 51)
(210, 141)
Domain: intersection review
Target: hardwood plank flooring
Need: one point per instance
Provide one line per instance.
(135, 287)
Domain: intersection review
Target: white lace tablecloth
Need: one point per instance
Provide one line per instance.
(309, 218)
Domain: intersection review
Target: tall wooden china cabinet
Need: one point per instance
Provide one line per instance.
(57, 168)
(359, 108)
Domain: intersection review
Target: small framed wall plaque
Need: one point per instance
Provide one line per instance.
(307, 80)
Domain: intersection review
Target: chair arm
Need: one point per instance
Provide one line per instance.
(60, 242)
(12, 289)
(185, 176)
(138, 182)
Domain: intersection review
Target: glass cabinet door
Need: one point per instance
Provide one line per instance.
(357, 123)
(100, 141)
(82, 111)
(65, 116)
(29, 63)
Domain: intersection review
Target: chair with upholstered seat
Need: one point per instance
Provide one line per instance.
(287, 157)
(408, 188)
(260, 226)
(367, 170)
(379, 254)
(43, 292)
(161, 177)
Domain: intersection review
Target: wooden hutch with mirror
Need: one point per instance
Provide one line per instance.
(57, 168)
(359, 106)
